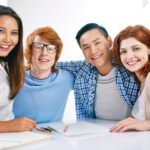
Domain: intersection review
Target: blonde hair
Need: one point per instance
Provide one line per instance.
(147, 98)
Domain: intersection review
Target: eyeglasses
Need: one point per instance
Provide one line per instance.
(39, 47)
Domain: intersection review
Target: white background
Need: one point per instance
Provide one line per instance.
(68, 16)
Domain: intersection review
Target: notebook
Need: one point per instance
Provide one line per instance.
(78, 128)
(8, 140)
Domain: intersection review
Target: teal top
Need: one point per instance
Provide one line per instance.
(44, 100)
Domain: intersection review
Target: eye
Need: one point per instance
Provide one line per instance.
(14, 33)
(49, 49)
(136, 49)
(1, 31)
(97, 43)
(86, 48)
(123, 52)
(39, 47)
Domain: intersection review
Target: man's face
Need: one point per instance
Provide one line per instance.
(42, 59)
(96, 48)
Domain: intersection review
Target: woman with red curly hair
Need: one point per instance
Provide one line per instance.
(131, 49)
(46, 88)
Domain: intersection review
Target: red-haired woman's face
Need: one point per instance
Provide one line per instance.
(133, 54)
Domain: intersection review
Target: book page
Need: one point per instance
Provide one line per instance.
(8, 140)
(78, 128)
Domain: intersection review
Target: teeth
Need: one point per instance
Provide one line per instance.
(44, 60)
(97, 56)
(132, 62)
(4, 46)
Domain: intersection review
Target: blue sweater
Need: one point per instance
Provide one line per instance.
(44, 100)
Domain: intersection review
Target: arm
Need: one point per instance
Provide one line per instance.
(131, 124)
(20, 124)
(17, 125)
(72, 66)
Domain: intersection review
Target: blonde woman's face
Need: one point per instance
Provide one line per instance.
(8, 34)
(133, 54)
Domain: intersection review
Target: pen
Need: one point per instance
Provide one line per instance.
(43, 129)
(66, 128)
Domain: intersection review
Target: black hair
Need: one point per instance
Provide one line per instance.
(14, 59)
(88, 27)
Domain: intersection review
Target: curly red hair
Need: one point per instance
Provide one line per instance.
(138, 32)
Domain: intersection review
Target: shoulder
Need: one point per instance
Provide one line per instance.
(123, 73)
(147, 81)
(64, 73)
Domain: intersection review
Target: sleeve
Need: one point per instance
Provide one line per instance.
(72, 66)
(147, 97)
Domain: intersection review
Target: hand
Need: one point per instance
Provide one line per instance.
(131, 124)
(20, 124)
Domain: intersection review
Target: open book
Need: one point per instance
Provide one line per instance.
(78, 128)
(8, 140)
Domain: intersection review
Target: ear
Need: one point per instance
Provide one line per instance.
(109, 41)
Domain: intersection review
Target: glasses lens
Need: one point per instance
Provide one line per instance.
(37, 46)
(51, 47)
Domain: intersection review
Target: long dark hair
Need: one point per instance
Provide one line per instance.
(14, 59)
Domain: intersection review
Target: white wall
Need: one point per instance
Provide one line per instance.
(3, 2)
(67, 16)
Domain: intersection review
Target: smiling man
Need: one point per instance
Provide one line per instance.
(101, 89)
(44, 94)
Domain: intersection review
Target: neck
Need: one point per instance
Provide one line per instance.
(40, 74)
(142, 81)
(104, 70)
(140, 77)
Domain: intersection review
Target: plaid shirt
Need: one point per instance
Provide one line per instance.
(86, 76)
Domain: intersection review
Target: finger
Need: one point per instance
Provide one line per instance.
(121, 124)
(118, 126)
(30, 120)
(128, 127)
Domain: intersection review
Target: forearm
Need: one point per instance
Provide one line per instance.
(72, 66)
(147, 125)
(17, 125)
(5, 126)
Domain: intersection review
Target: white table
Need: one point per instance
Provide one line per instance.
(112, 141)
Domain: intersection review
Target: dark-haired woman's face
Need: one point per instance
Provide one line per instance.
(8, 34)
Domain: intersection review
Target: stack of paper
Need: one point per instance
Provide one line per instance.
(78, 128)
(8, 140)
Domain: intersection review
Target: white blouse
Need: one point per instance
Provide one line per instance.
(5, 102)
(138, 111)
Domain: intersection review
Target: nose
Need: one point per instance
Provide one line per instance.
(130, 55)
(7, 38)
(44, 51)
(93, 49)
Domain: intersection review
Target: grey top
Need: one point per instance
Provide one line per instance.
(109, 104)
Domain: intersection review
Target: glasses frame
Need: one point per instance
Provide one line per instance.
(42, 46)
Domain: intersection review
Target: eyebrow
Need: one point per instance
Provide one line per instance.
(92, 41)
(131, 46)
(17, 30)
(2, 28)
